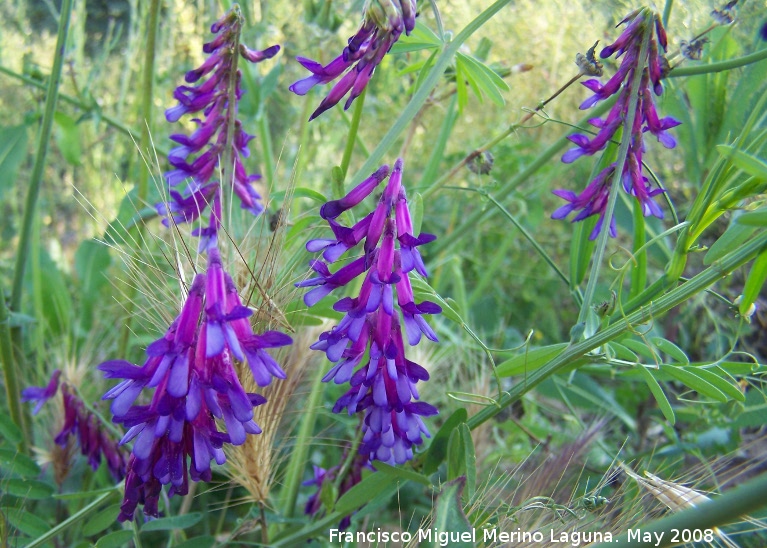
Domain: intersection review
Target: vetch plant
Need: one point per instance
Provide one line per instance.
(383, 388)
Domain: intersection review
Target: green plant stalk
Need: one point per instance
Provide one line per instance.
(744, 499)
(718, 269)
(12, 391)
(295, 468)
(267, 147)
(639, 272)
(667, 12)
(481, 216)
(423, 93)
(147, 95)
(730, 64)
(615, 186)
(70, 521)
(108, 120)
(30, 206)
(359, 103)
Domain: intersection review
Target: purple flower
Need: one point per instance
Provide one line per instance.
(209, 140)
(383, 23)
(593, 199)
(322, 476)
(384, 387)
(192, 371)
(41, 394)
(81, 424)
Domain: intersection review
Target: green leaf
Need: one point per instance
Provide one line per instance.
(483, 79)
(670, 349)
(689, 377)
(745, 161)
(197, 542)
(530, 360)
(758, 217)
(581, 249)
(717, 377)
(101, 521)
(415, 204)
(449, 515)
(68, 138)
(460, 86)
(91, 262)
(15, 463)
(173, 522)
(754, 283)
(403, 473)
(361, 494)
(27, 488)
(421, 37)
(657, 392)
(622, 353)
(25, 521)
(301, 192)
(735, 235)
(470, 458)
(640, 348)
(13, 150)
(8, 429)
(438, 448)
(116, 539)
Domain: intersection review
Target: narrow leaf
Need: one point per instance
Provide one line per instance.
(173, 522)
(672, 350)
(687, 377)
(116, 539)
(754, 283)
(657, 392)
(449, 515)
(438, 448)
(530, 360)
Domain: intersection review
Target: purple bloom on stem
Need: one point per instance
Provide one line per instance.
(79, 422)
(593, 199)
(41, 394)
(211, 97)
(384, 22)
(383, 388)
(192, 370)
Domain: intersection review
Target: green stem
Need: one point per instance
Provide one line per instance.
(12, 391)
(673, 298)
(615, 186)
(107, 119)
(147, 96)
(639, 272)
(297, 462)
(667, 12)
(721, 66)
(438, 19)
(480, 216)
(423, 93)
(145, 145)
(36, 180)
(359, 103)
(744, 499)
(72, 520)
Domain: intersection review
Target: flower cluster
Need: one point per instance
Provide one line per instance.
(323, 477)
(384, 387)
(193, 367)
(212, 97)
(593, 199)
(192, 371)
(384, 22)
(94, 441)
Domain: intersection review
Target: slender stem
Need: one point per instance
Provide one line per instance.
(744, 499)
(107, 119)
(147, 95)
(718, 270)
(423, 93)
(497, 139)
(12, 391)
(359, 103)
(297, 462)
(438, 19)
(604, 234)
(667, 12)
(262, 520)
(70, 521)
(730, 64)
(30, 206)
(228, 158)
(639, 273)
(480, 216)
